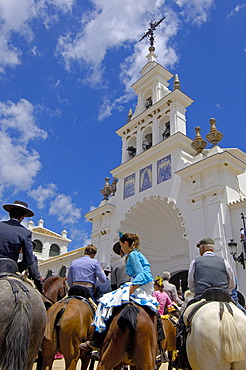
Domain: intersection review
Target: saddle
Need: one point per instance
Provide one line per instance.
(16, 284)
(209, 295)
(7, 265)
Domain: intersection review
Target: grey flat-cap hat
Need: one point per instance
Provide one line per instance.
(205, 241)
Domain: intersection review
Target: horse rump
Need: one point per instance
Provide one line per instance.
(128, 318)
(17, 336)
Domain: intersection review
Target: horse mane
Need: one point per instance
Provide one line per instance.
(128, 318)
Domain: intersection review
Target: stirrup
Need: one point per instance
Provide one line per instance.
(161, 358)
(86, 346)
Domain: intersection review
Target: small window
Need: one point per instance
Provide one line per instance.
(39, 246)
(54, 250)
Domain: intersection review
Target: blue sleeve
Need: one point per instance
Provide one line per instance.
(70, 276)
(138, 268)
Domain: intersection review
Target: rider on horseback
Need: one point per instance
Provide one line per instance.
(205, 272)
(14, 237)
(139, 290)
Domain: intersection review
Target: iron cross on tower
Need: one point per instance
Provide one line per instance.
(150, 32)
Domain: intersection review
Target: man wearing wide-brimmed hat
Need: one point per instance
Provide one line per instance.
(14, 236)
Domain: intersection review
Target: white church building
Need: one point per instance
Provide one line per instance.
(170, 189)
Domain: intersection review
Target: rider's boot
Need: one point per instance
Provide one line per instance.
(161, 357)
(181, 360)
(95, 343)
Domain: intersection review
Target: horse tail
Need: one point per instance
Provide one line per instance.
(128, 318)
(17, 336)
(231, 348)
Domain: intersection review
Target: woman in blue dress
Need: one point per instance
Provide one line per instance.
(139, 289)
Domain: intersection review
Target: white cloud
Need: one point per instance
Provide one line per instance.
(64, 209)
(195, 11)
(16, 17)
(18, 119)
(111, 25)
(80, 237)
(43, 193)
(236, 10)
(19, 164)
(64, 5)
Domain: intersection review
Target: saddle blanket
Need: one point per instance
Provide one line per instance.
(190, 309)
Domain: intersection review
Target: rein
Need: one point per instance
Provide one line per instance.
(48, 298)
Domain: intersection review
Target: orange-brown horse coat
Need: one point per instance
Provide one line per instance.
(64, 334)
(136, 348)
(169, 343)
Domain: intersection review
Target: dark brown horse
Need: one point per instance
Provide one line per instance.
(130, 340)
(55, 288)
(68, 324)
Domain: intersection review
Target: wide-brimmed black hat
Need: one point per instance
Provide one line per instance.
(117, 248)
(20, 205)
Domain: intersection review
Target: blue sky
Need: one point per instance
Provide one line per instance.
(66, 67)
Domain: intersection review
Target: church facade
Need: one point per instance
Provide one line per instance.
(170, 189)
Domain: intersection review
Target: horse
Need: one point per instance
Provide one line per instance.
(68, 324)
(54, 289)
(169, 323)
(131, 339)
(216, 339)
(22, 322)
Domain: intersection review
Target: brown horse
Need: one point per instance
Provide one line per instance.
(169, 323)
(55, 288)
(130, 340)
(68, 324)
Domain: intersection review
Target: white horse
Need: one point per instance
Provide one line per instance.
(215, 343)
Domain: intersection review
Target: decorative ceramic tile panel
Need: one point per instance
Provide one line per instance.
(129, 186)
(164, 169)
(145, 178)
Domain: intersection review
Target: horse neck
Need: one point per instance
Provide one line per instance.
(52, 290)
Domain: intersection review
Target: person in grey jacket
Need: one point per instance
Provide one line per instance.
(170, 289)
(15, 237)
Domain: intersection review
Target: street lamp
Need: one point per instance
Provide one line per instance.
(233, 252)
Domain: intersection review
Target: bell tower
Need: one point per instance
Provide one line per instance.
(160, 112)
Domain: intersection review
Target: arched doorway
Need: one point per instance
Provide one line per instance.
(180, 280)
(162, 233)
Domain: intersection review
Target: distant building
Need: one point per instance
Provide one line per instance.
(59, 265)
(51, 250)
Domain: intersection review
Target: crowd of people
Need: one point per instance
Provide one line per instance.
(127, 279)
